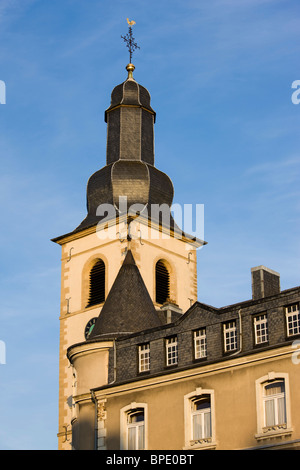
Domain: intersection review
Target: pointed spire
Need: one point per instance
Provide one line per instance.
(128, 307)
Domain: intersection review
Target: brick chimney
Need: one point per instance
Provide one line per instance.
(265, 282)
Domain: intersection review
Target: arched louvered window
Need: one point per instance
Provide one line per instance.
(162, 282)
(97, 284)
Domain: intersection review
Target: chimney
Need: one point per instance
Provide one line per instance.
(265, 282)
(169, 312)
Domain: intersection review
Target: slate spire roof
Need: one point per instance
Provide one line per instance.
(128, 307)
(129, 171)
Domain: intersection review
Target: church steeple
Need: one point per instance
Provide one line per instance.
(130, 118)
(130, 123)
(129, 172)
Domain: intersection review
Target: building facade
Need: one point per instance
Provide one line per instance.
(143, 364)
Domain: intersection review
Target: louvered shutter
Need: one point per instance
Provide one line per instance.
(97, 284)
(162, 279)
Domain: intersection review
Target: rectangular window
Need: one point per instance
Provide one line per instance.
(200, 346)
(261, 329)
(230, 336)
(144, 357)
(293, 319)
(201, 419)
(172, 351)
(274, 404)
(136, 430)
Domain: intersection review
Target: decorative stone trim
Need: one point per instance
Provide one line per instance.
(101, 429)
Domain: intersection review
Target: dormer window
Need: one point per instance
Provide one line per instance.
(293, 319)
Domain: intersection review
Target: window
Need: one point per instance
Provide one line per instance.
(97, 284)
(172, 351)
(133, 426)
(274, 403)
(162, 282)
(136, 430)
(273, 406)
(261, 329)
(144, 357)
(200, 347)
(199, 419)
(230, 336)
(293, 320)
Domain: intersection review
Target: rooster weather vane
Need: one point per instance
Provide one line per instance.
(129, 39)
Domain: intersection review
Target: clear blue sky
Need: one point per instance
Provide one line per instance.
(227, 133)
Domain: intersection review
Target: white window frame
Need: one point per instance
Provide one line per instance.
(172, 351)
(274, 399)
(200, 343)
(124, 413)
(205, 442)
(291, 311)
(280, 429)
(230, 336)
(144, 357)
(261, 328)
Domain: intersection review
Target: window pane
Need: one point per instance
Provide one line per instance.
(197, 426)
(281, 411)
(141, 437)
(200, 343)
(202, 404)
(131, 438)
(201, 418)
(293, 319)
(270, 412)
(261, 329)
(136, 417)
(274, 388)
(207, 425)
(144, 357)
(230, 336)
(172, 351)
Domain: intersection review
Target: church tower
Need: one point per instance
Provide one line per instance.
(126, 267)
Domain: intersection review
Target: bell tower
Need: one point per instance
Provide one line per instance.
(128, 211)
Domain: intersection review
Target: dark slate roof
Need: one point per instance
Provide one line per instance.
(128, 307)
(130, 92)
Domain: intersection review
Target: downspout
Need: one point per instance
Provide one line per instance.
(115, 363)
(94, 400)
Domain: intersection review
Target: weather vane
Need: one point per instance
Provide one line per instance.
(129, 39)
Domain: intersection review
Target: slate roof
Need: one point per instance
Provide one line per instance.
(128, 307)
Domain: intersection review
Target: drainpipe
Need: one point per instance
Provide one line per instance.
(115, 363)
(94, 400)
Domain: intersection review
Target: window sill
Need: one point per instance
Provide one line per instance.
(198, 444)
(171, 366)
(271, 432)
(143, 372)
(90, 307)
